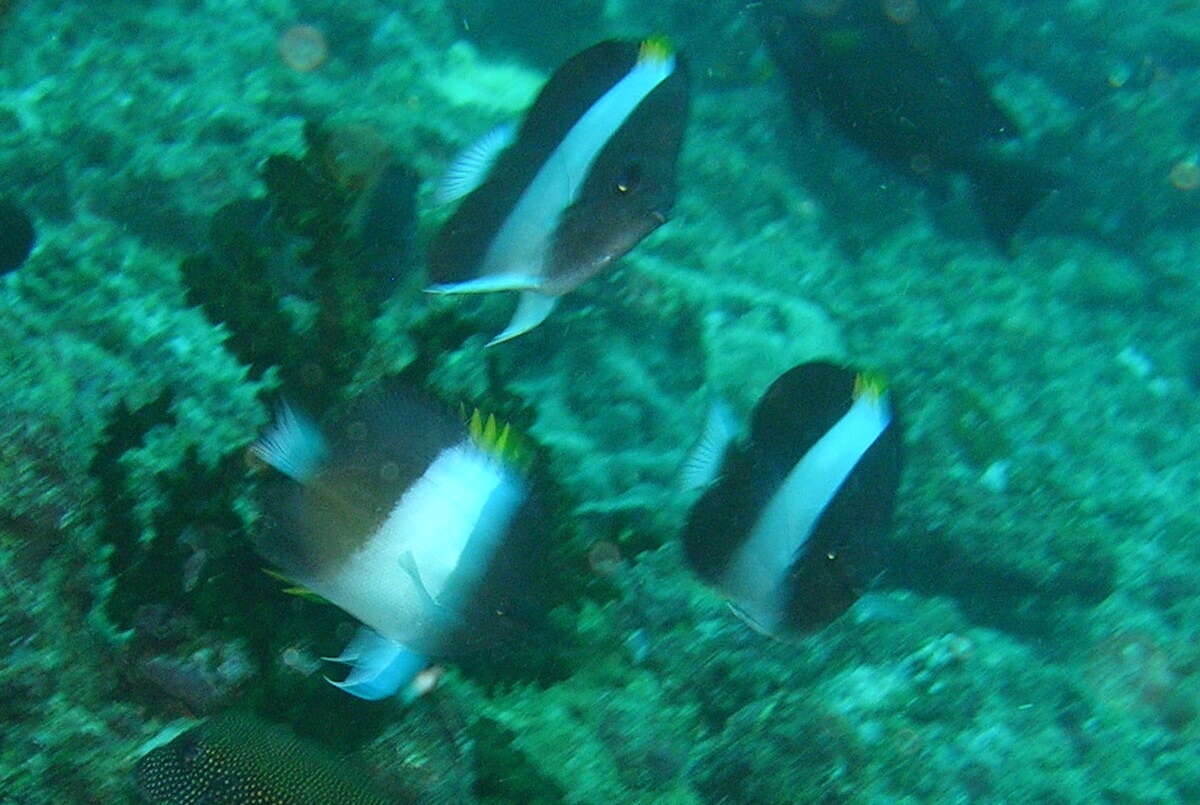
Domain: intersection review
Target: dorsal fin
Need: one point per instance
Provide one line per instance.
(499, 440)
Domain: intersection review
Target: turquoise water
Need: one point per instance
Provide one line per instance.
(1032, 634)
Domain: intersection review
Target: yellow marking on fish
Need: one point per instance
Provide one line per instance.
(869, 384)
(656, 49)
(293, 588)
(498, 440)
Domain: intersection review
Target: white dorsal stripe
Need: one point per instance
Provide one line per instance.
(756, 575)
(521, 244)
(464, 495)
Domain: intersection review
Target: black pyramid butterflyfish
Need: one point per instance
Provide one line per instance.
(588, 174)
(405, 516)
(790, 527)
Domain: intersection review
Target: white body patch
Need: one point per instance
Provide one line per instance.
(464, 495)
(520, 247)
(759, 568)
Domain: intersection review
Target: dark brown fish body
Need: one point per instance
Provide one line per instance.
(896, 85)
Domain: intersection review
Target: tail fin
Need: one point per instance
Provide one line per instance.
(379, 666)
(1007, 190)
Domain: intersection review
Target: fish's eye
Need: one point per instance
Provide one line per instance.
(190, 752)
(629, 179)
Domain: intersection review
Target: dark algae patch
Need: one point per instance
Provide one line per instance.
(298, 276)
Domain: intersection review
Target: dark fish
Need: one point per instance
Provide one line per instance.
(17, 237)
(238, 759)
(889, 79)
(383, 222)
(404, 518)
(790, 528)
(588, 175)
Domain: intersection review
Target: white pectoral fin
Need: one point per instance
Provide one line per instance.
(532, 310)
(379, 666)
(472, 165)
(435, 613)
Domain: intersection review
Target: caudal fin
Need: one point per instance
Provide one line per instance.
(1007, 191)
(379, 666)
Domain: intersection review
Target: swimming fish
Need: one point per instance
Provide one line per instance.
(239, 759)
(588, 175)
(17, 236)
(889, 80)
(789, 529)
(383, 222)
(407, 518)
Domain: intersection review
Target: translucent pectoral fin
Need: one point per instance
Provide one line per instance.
(703, 461)
(293, 445)
(379, 666)
(472, 165)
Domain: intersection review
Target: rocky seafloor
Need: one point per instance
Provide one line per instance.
(1035, 638)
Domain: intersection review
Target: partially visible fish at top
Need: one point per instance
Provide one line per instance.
(588, 175)
(890, 80)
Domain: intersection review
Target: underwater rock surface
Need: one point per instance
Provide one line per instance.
(1033, 638)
